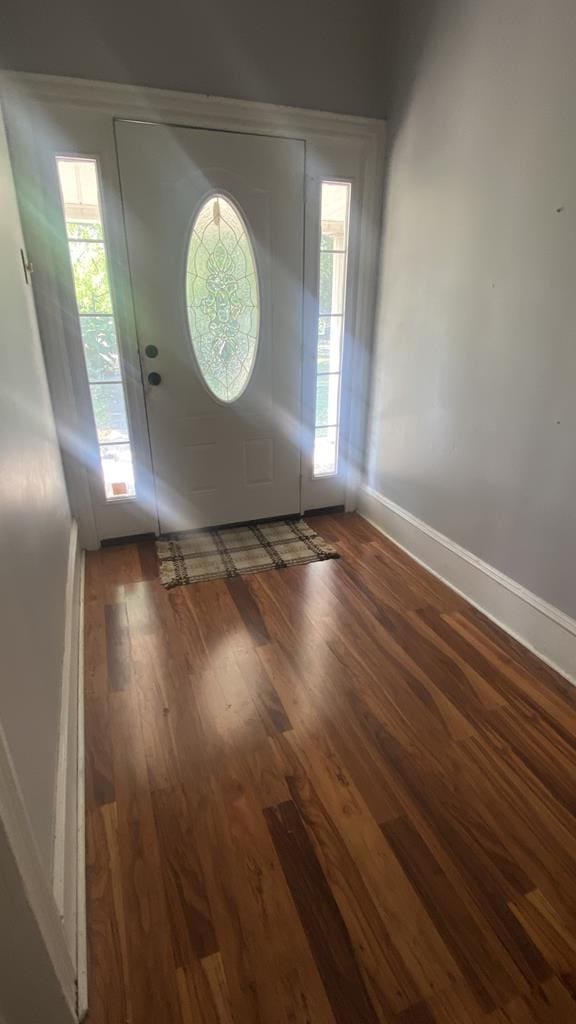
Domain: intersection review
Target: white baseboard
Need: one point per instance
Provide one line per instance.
(81, 933)
(542, 628)
(68, 882)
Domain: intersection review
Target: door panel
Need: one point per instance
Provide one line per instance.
(216, 462)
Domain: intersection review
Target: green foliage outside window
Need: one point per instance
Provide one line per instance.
(94, 302)
(90, 276)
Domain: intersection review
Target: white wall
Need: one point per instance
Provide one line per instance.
(37, 975)
(34, 538)
(329, 54)
(473, 421)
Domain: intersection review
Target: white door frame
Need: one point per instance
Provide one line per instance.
(48, 115)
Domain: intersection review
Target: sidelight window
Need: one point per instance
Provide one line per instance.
(335, 216)
(87, 248)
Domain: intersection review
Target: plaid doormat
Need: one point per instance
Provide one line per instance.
(233, 551)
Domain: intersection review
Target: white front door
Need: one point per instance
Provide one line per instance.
(214, 224)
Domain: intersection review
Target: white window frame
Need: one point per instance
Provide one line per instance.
(343, 287)
(98, 468)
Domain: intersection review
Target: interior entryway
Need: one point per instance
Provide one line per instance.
(214, 224)
(264, 261)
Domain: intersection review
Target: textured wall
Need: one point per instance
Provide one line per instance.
(329, 54)
(474, 413)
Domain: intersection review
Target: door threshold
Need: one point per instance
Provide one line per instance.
(232, 526)
(132, 538)
(328, 510)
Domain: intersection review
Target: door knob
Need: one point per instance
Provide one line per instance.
(151, 351)
(154, 378)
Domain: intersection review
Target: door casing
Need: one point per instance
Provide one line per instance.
(49, 116)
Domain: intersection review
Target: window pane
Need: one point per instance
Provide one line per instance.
(118, 471)
(84, 230)
(109, 412)
(325, 450)
(90, 277)
(329, 343)
(100, 348)
(327, 391)
(332, 282)
(79, 186)
(334, 215)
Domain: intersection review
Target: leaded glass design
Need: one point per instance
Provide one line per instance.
(222, 298)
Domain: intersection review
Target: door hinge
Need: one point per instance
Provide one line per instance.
(26, 266)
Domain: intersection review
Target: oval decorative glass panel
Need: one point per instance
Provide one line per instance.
(222, 298)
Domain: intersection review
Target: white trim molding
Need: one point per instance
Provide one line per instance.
(64, 862)
(68, 873)
(542, 628)
(81, 926)
(169, 106)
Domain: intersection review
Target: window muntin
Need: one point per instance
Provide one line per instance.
(222, 298)
(87, 248)
(333, 264)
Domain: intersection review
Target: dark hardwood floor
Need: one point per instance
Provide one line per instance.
(331, 793)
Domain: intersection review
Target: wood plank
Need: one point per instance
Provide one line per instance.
(152, 679)
(320, 916)
(150, 962)
(95, 650)
(266, 699)
(99, 786)
(530, 691)
(492, 876)
(512, 649)
(418, 1014)
(94, 587)
(221, 624)
(195, 997)
(540, 747)
(189, 911)
(120, 565)
(249, 610)
(270, 969)
(216, 976)
(118, 652)
(108, 986)
(388, 981)
(539, 833)
(552, 1003)
(477, 957)
(418, 942)
(148, 560)
(550, 930)
(203, 992)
